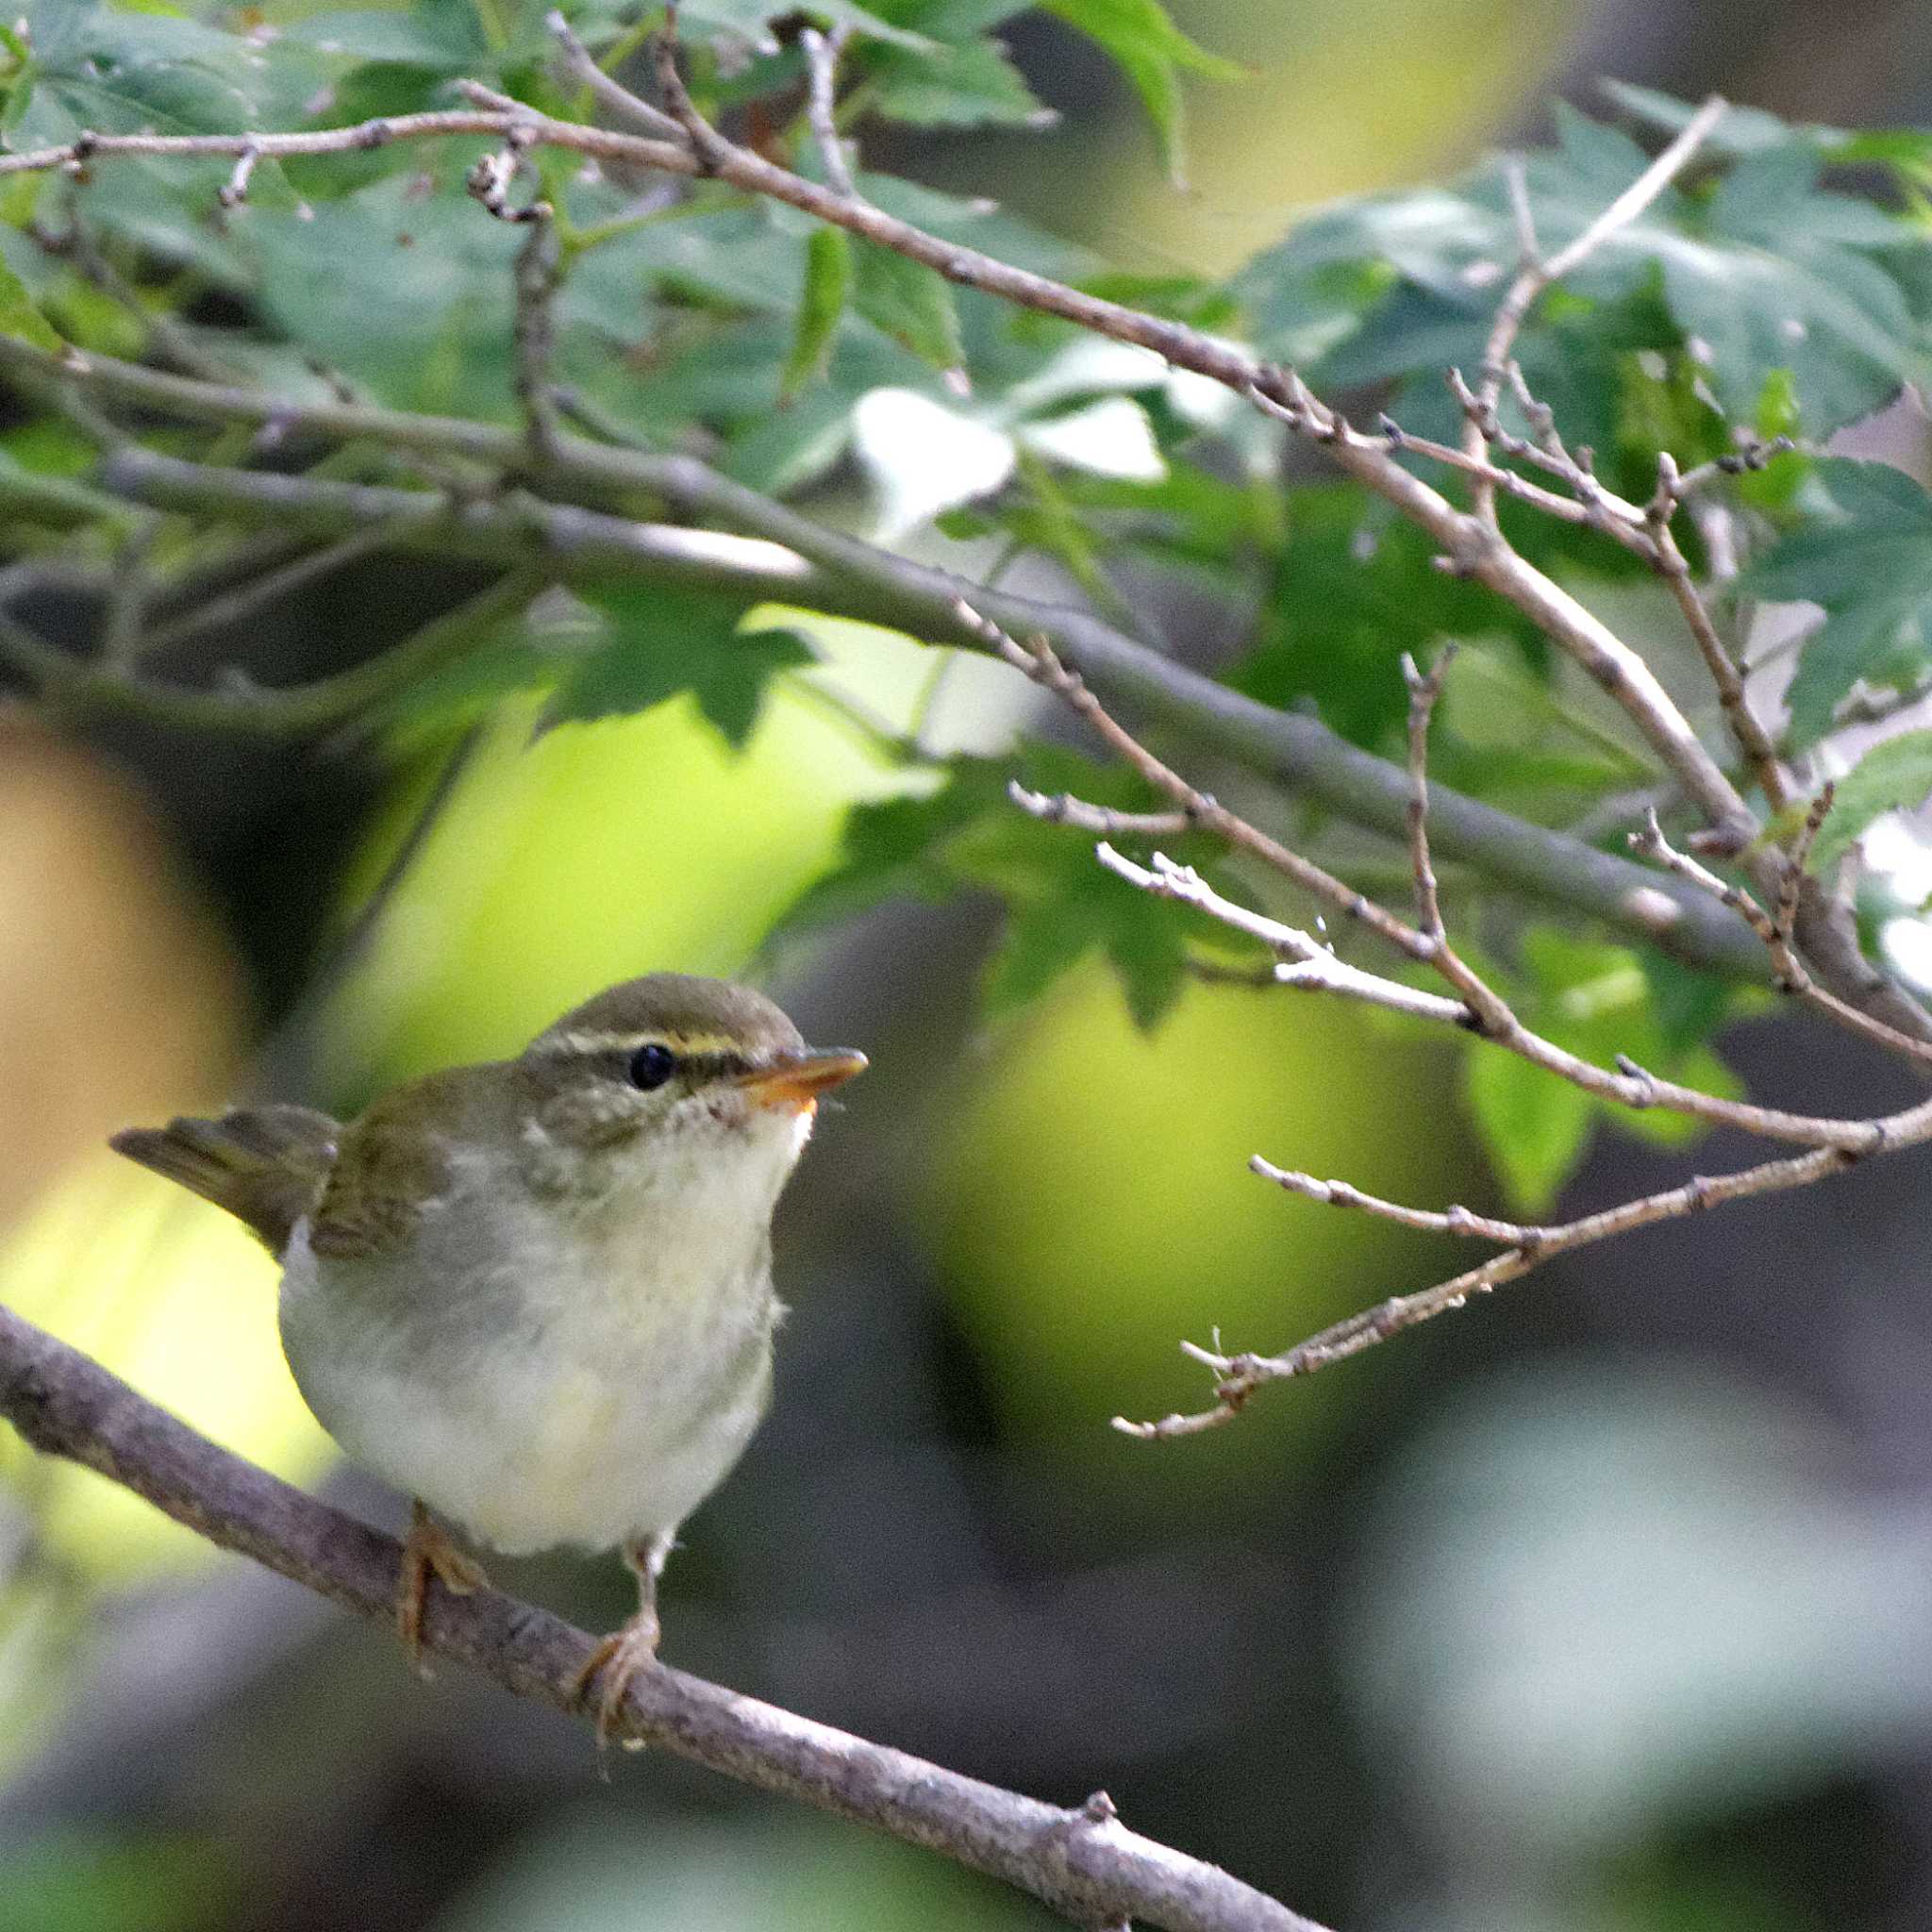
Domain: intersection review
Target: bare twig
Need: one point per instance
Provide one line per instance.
(234, 191)
(1537, 273)
(1800, 857)
(1479, 1008)
(1306, 962)
(822, 54)
(259, 593)
(1238, 1377)
(582, 67)
(492, 176)
(539, 276)
(1064, 808)
(1087, 1867)
(1457, 1220)
(1746, 730)
(307, 710)
(1789, 974)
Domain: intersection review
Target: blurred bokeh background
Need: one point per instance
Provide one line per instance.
(1605, 1605)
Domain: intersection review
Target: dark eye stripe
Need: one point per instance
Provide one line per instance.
(698, 1067)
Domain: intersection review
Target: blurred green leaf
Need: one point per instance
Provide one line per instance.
(1062, 906)
(750, 19)
(908, 302)
(1895, 774)
(112, 71)
(1352, 590)
(18, 317)
(664, 642)
(81, 1879)
(444, 36)
(1153, 53)
(1534, 1126)
(1594, 1000)
(827, 281)
(1868, 559)
(1767, 273)
(970, 86)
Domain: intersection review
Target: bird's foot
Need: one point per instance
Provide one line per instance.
(618, 1658)
(428, 1548)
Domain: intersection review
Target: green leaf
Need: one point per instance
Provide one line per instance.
(1894, 776)
(1595, 1000)
(442, 37)
(1046, 936)
(19, 316)
(896, 848)
(101, 68)
(1534, 1127)
(827, 280)
(1153, 53)
(1352, 590)
(664, 642)
(908, 302)
(971, 86)
(1868, 560)
(750, 21)
(1767, 273)
(1062, 905)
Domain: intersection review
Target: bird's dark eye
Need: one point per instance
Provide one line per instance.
(652, 1065)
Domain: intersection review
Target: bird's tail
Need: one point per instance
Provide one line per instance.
(265, 1165)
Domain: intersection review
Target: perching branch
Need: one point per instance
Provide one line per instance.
(1083, 1862)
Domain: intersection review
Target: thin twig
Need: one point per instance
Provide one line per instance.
(1306, 964)
(1478, 1006)
(305, 711)
(582, 67)
(1089, 1868)
(234, 191)
(822, 54)
(1064, 808)
(1789, 974)
(259, 593)
(1457, 1220)
(539, 276)
(1238, 1377)
(1537, 272)
(1746, 730)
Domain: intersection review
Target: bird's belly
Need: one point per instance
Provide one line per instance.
(529, 1408)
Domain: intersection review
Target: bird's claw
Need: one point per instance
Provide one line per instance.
(429, 1549)
(618, 1658)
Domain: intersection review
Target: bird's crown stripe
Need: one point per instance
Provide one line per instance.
(683, 1045)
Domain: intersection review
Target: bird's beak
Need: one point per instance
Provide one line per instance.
(799, 1078)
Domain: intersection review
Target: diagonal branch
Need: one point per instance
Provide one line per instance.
(1238, 1377)
(857, 579)
(1083, 1862)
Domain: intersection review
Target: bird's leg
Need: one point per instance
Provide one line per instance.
(428, 1547)
(622, 1654)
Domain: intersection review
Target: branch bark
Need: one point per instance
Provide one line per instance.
(1083, 1862)
(854, 578)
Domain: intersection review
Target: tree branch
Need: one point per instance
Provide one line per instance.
(1238, 1377)
(857, 579)
(1083, 1862)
